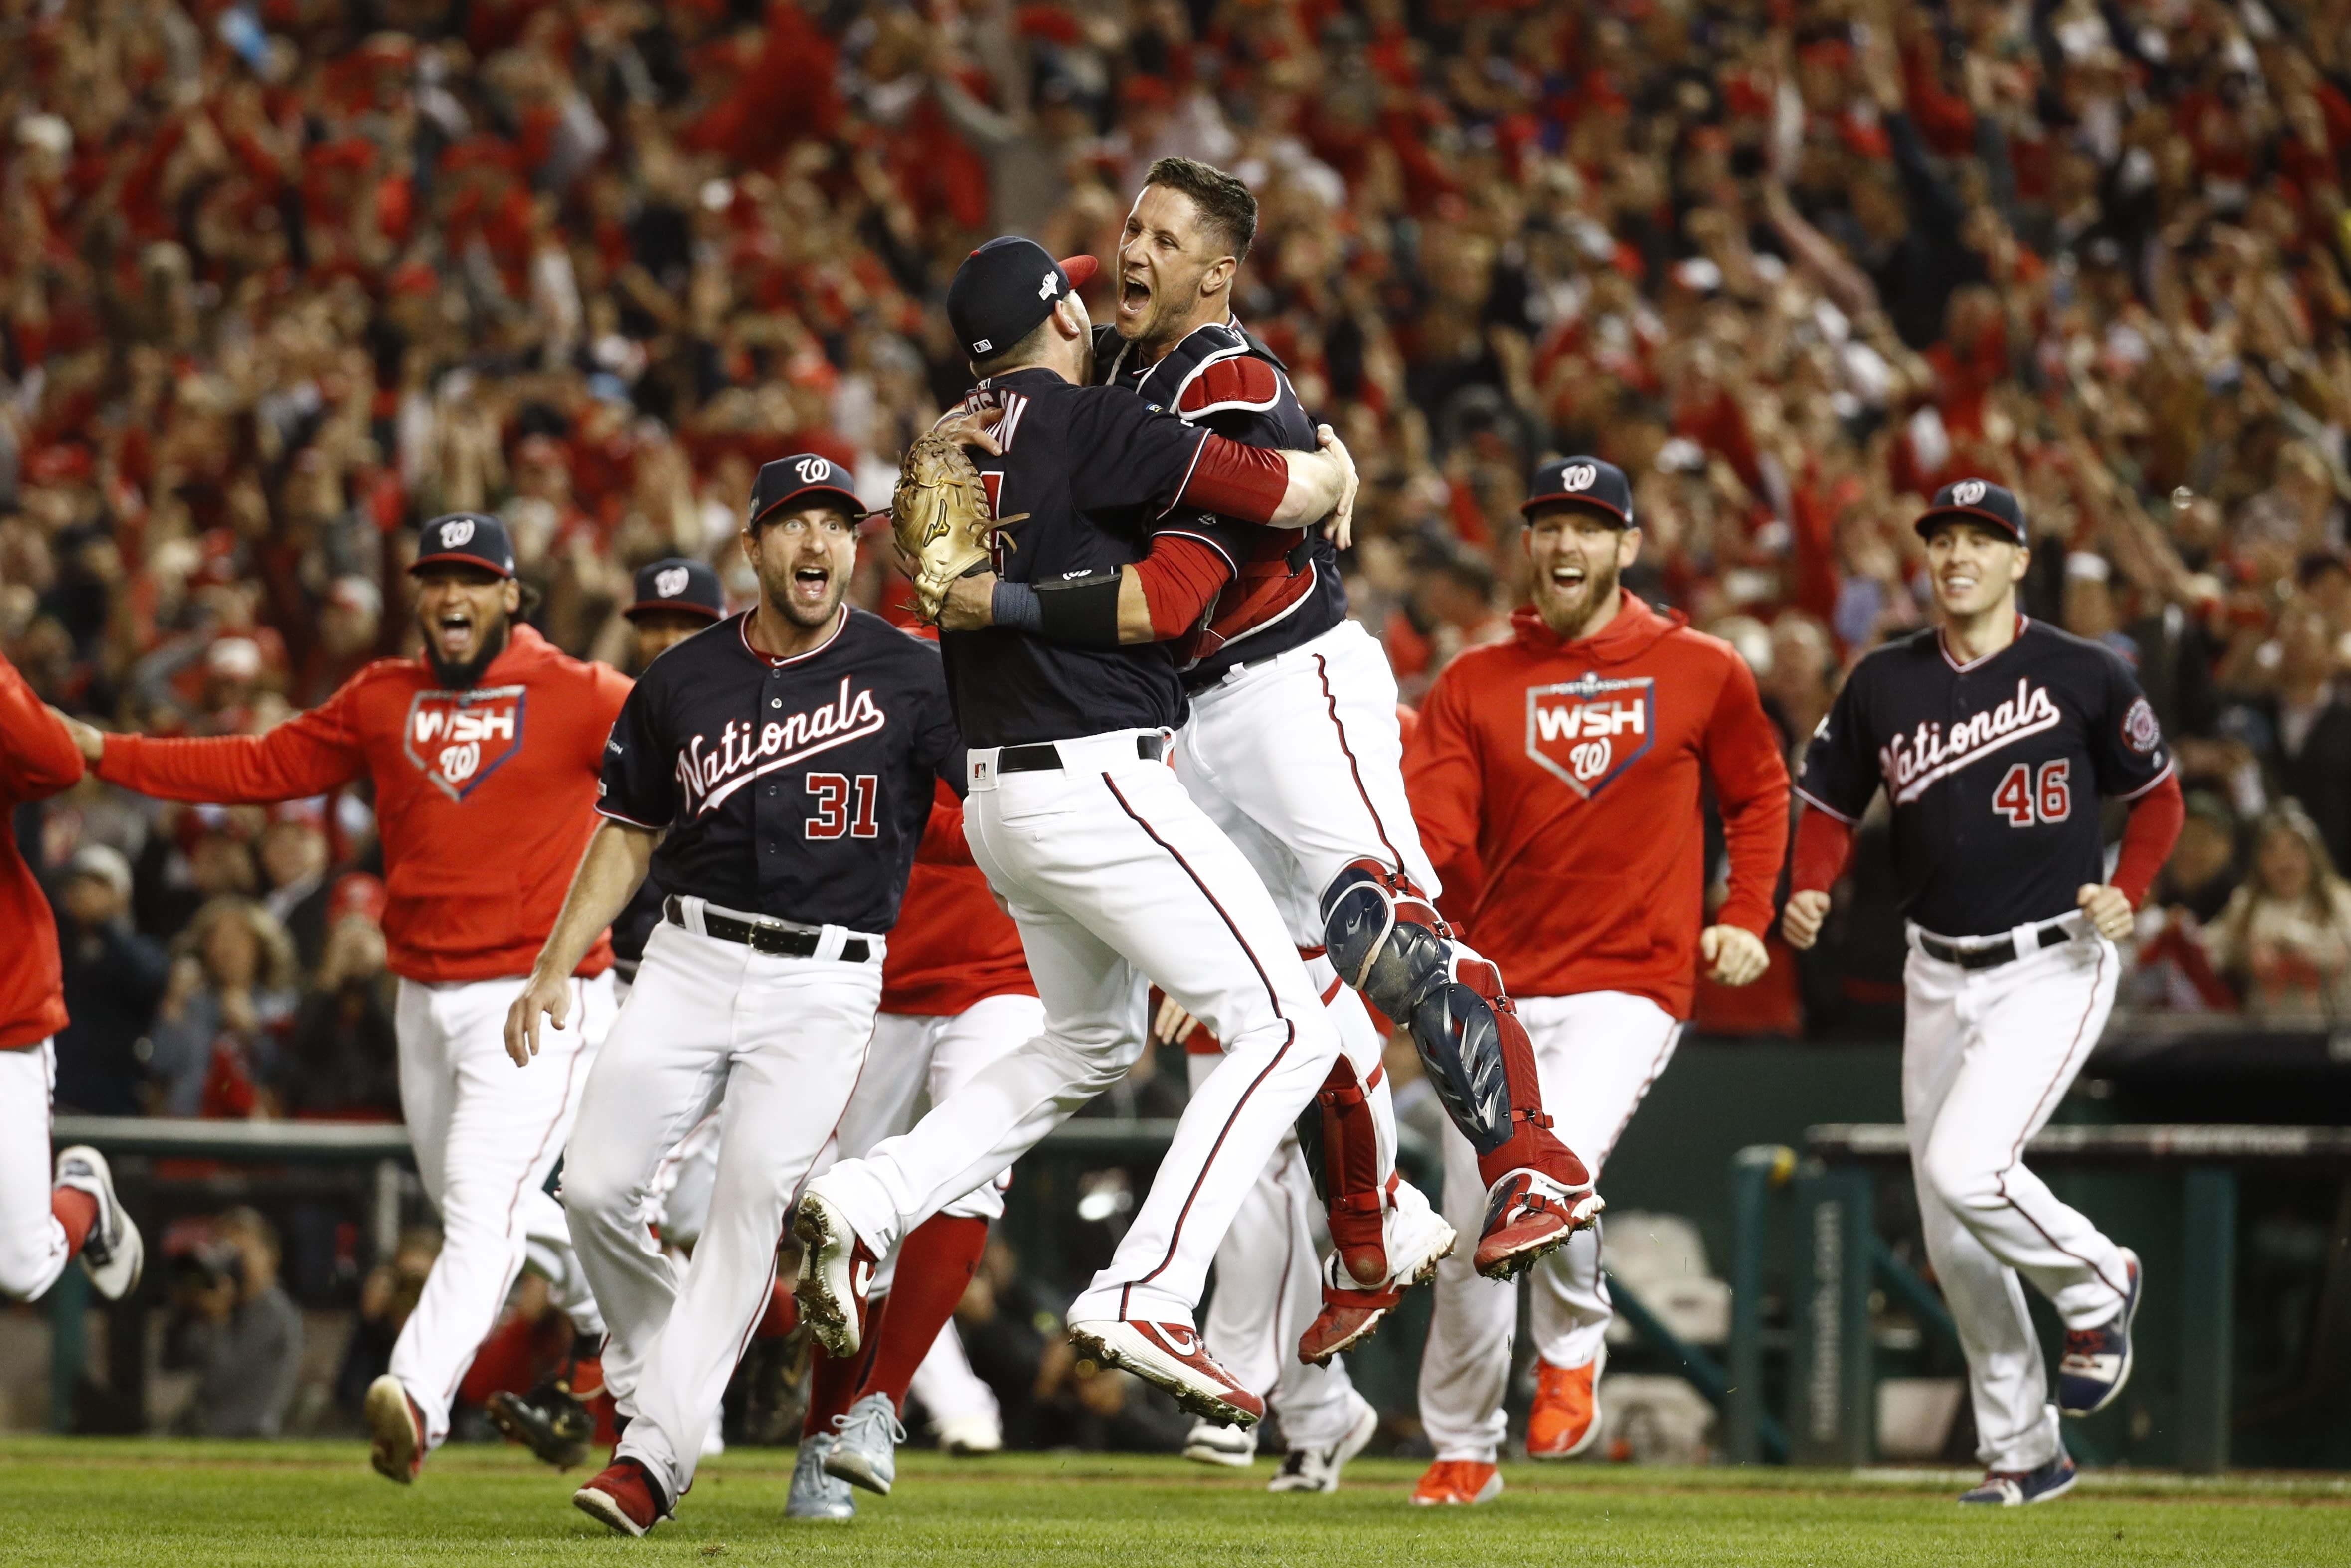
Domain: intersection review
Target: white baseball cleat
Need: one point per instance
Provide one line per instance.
(961, 1437)
(816, 1494)
(866, 1453)
(1171, 1356)
(1209, 1443)
(1317, 1469)
(112, 1253)
(836, 1271)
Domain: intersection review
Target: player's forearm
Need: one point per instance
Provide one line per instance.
(1282, 489)
(1823, 845)
(616, 859)
(1157, 600)
(1755, 838)
(2153, 827)
(226, 769)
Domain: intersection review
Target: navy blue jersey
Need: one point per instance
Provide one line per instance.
(794, 787)
(1993, 768)
(1286, 587)
(1096, 473)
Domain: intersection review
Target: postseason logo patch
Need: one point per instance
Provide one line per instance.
(1588, 730)
(459, 738)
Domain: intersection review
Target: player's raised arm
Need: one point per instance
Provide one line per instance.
(308, 755)
(609, 872)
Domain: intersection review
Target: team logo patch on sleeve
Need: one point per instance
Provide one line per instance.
(2140, 732)
(459, 738)
(1589, 730)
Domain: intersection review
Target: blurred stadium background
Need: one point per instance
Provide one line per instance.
(279, 279)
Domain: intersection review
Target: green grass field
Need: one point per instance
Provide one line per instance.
(185, 1505)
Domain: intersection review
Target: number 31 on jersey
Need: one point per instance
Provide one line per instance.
(2025, 798)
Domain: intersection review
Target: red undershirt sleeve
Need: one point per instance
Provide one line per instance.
(2153, 827)
(1180, 579)
(1824, 844)
(1234, 480)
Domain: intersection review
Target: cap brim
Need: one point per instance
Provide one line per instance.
(1527, 507)
(673, 607)
(459, 557)
(1079, 270)
(856, 507)
(1976, 513)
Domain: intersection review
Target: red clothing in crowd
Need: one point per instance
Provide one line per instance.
(1557, 789)
(485, 799)
(952, 946)
(37, 759)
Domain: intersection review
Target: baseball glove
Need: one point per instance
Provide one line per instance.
(941, 516)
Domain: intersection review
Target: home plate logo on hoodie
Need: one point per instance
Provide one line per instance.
(459, 738)
(1588, 729)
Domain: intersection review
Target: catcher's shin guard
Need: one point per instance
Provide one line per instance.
(1388, 942)
(1341, 1143)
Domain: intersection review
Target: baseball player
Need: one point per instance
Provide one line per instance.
(1557, 779)
(484, 753)
(776, 774)
(1995, 737)
(48, 1217)
(1108, 869)
(674, 600)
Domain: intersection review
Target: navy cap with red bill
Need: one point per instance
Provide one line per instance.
(679, 585)
(1977, 501)
(800, 480)
(1005, 287)
(470, 539)
(1585, 482)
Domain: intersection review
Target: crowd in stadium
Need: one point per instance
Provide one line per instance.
(279, 281)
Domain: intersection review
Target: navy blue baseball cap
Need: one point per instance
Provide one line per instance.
(475, 538)
(1582, 482)
(1005, 288)
(1979, 501)
(679, 584)
(797, 480)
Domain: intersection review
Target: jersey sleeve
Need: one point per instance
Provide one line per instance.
(1445, 785)
(2127, 744)
(1130, 454)
(1750, 784)
(639, 782)
(310, 754)
(938, 745)
(607, 695)
(1840, 770)
(38, 755)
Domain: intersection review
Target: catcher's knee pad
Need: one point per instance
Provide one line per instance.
(1384, 936)
(1341, 1142)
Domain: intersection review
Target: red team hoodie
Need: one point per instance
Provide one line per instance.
(37, 759)
(1557, 787)
(484, 799)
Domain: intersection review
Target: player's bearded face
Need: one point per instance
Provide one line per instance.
(1972, 568)
(1577, 557)
(804, 560)
(462, 612)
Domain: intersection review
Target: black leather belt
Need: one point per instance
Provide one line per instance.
(1998, 953)
(782, 940)
(1043, 757)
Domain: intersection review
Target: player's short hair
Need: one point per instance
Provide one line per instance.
(1027, 351)
(1223, 201)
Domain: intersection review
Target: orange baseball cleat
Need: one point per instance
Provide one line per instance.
(1565, 1419)
(1462, 1481)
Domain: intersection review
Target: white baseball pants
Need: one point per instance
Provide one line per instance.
(1596, 1054)
(1268, 1288)
(32, 1248)
(947, 1388)
(1986, 1056)
(774, 1045)
(1114, 875)
(487, 1135)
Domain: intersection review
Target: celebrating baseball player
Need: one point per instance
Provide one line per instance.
(484, 753)
(1557, 779)
(1995, 737)
(48, 1216)
(1108, 867)
(776, 773)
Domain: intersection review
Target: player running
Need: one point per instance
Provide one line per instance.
(48, 1216)
(1108, 868)
(776, 773)
(1557, 779)
(1994, 737)
(484, 754)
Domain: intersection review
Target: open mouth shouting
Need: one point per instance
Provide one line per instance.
(456, 634)
(1134, 295)
(811, 587)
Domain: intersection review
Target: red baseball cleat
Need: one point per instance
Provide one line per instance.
(1347, 1319)
(1565, 1419)
(1527, 1215)
(398, 1427)
(1456, 1482)
(622, 1497)
(836, 1271)
(1172, 1356)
